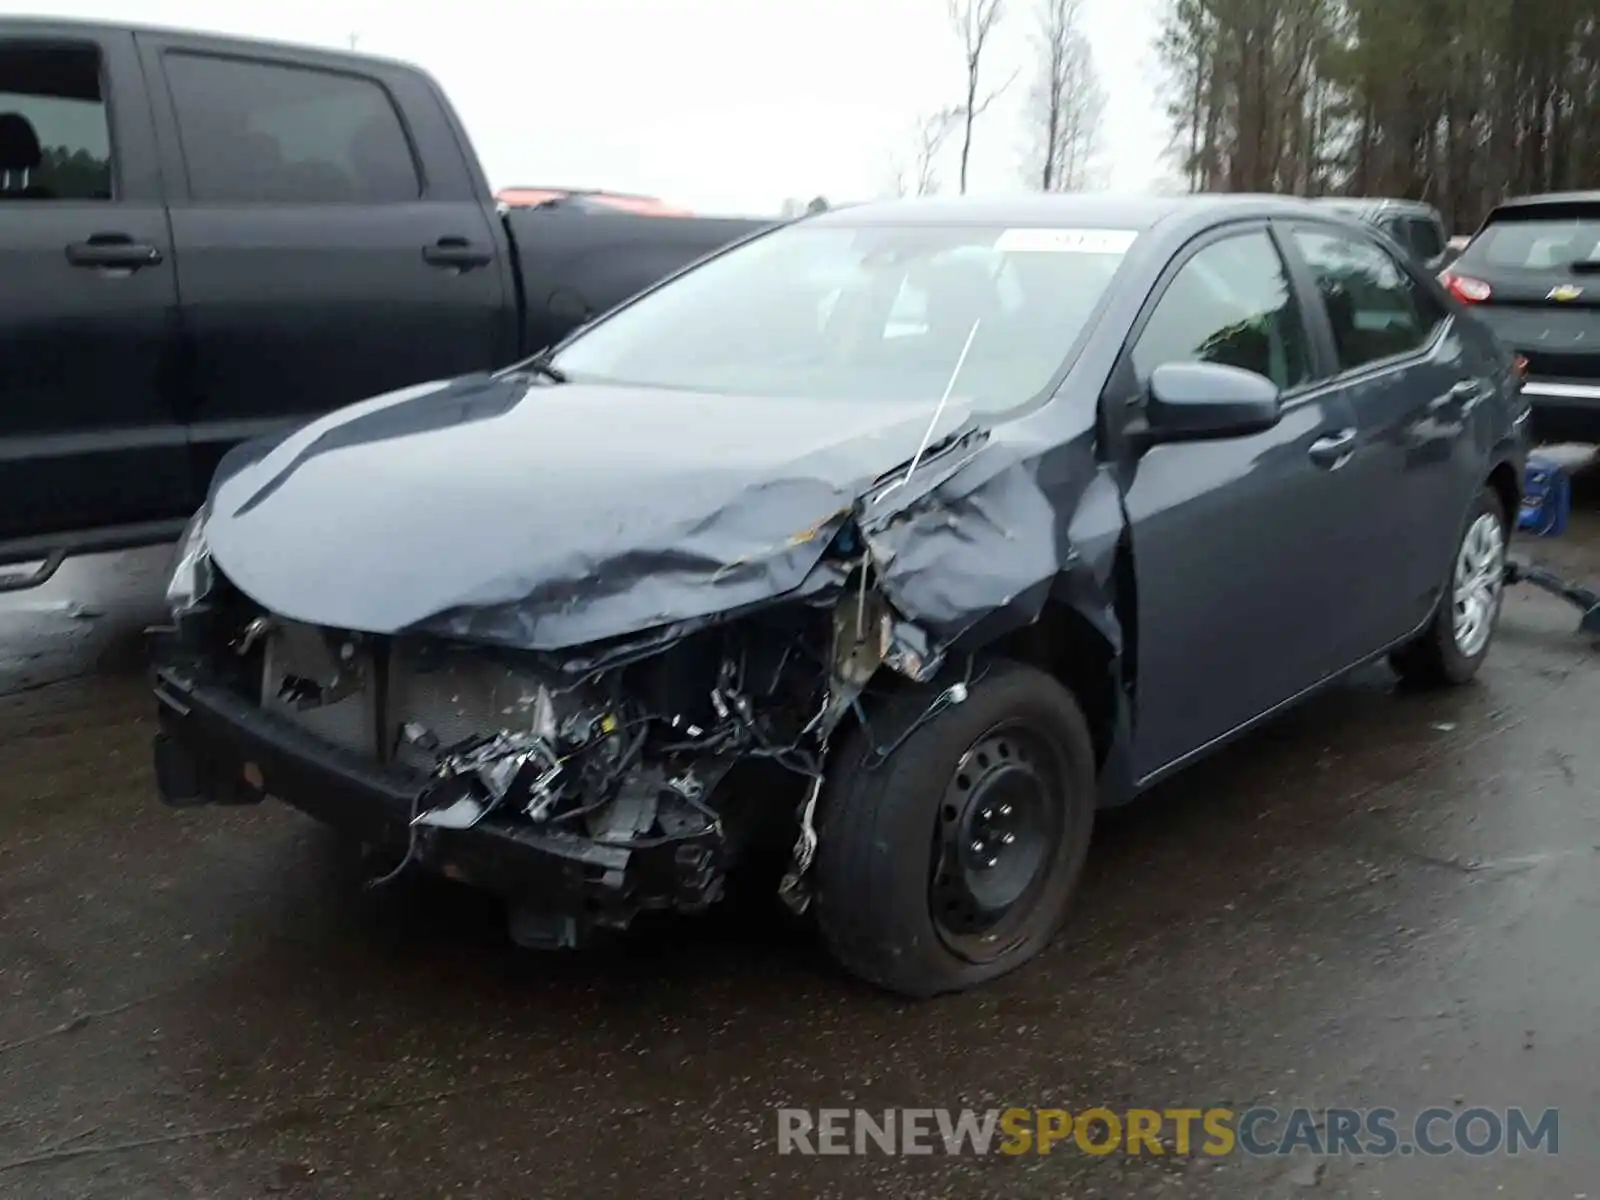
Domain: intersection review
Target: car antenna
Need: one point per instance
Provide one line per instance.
(949, 387)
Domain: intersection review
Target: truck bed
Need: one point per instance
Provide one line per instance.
(574, 265)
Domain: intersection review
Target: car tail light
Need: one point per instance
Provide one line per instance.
(1465, 288)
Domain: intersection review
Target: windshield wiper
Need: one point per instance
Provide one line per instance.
(1585, 266)
(541, 366)
(938, 412)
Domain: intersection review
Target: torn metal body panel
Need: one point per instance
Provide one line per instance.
(591, 635)
(523, 527)
(504, 511)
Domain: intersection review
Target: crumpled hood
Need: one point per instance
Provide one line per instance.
(576, 513)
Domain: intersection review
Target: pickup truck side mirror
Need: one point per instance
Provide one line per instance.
(1202, 401)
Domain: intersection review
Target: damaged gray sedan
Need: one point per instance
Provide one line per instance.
(899, 539)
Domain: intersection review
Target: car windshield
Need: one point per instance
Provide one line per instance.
(1544, 243)
(866, 312)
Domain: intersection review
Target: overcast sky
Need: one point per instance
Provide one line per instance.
(723, 105)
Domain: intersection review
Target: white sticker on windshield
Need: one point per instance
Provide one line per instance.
(1066, 241)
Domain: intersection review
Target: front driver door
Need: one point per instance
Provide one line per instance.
(1235, 542)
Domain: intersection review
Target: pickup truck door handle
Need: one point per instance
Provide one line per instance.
(1467, 392)
(1332, 452)
(456, 253)
(113, 251)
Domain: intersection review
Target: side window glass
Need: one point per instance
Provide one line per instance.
(1230, 304)
(1427, 238)
(1375, 308)
(257, 132)
(55, 142)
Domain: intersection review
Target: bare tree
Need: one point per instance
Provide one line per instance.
(974, 21)
(1066, 102)
(919, 175)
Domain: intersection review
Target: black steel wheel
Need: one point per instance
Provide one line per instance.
(1001, 826)
(953, 861)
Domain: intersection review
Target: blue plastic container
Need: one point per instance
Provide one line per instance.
(1546, 498)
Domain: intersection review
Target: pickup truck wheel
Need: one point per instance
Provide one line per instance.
(952, 861)
(1455, 643)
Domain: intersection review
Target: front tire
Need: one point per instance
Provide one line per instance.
(952, 862)
(1450, 650)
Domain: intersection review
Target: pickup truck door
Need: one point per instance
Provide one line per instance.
(90, 443)
(331, 242)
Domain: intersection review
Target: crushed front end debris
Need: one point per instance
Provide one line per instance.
(685, 754)
(637, 754)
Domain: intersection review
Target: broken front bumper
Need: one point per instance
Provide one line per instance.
(216, 747)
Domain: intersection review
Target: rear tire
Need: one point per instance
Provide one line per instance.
(952, 862)
(1450, 650)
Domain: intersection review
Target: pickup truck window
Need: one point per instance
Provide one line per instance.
(256, 132)
(55, 143)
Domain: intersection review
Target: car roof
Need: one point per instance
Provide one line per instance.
(1090, 210)
(1373, 205)
(1550, 200)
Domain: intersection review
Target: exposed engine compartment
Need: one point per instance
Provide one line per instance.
(632, 756)
(635, 752)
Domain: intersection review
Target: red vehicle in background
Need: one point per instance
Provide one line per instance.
(539, 197)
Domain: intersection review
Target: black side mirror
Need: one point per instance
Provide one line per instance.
(1202, 401)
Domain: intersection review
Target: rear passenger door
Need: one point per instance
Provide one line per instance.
(1413, 385)
(318, 263)
(89, 437)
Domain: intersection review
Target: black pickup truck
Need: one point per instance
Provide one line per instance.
(203, 239)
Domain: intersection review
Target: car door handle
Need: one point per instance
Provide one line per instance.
(454, 253)
(1332, 452)
(113, 251)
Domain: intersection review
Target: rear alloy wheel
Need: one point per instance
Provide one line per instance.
(1457, 640)
(1479, 578)
(952, 862)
